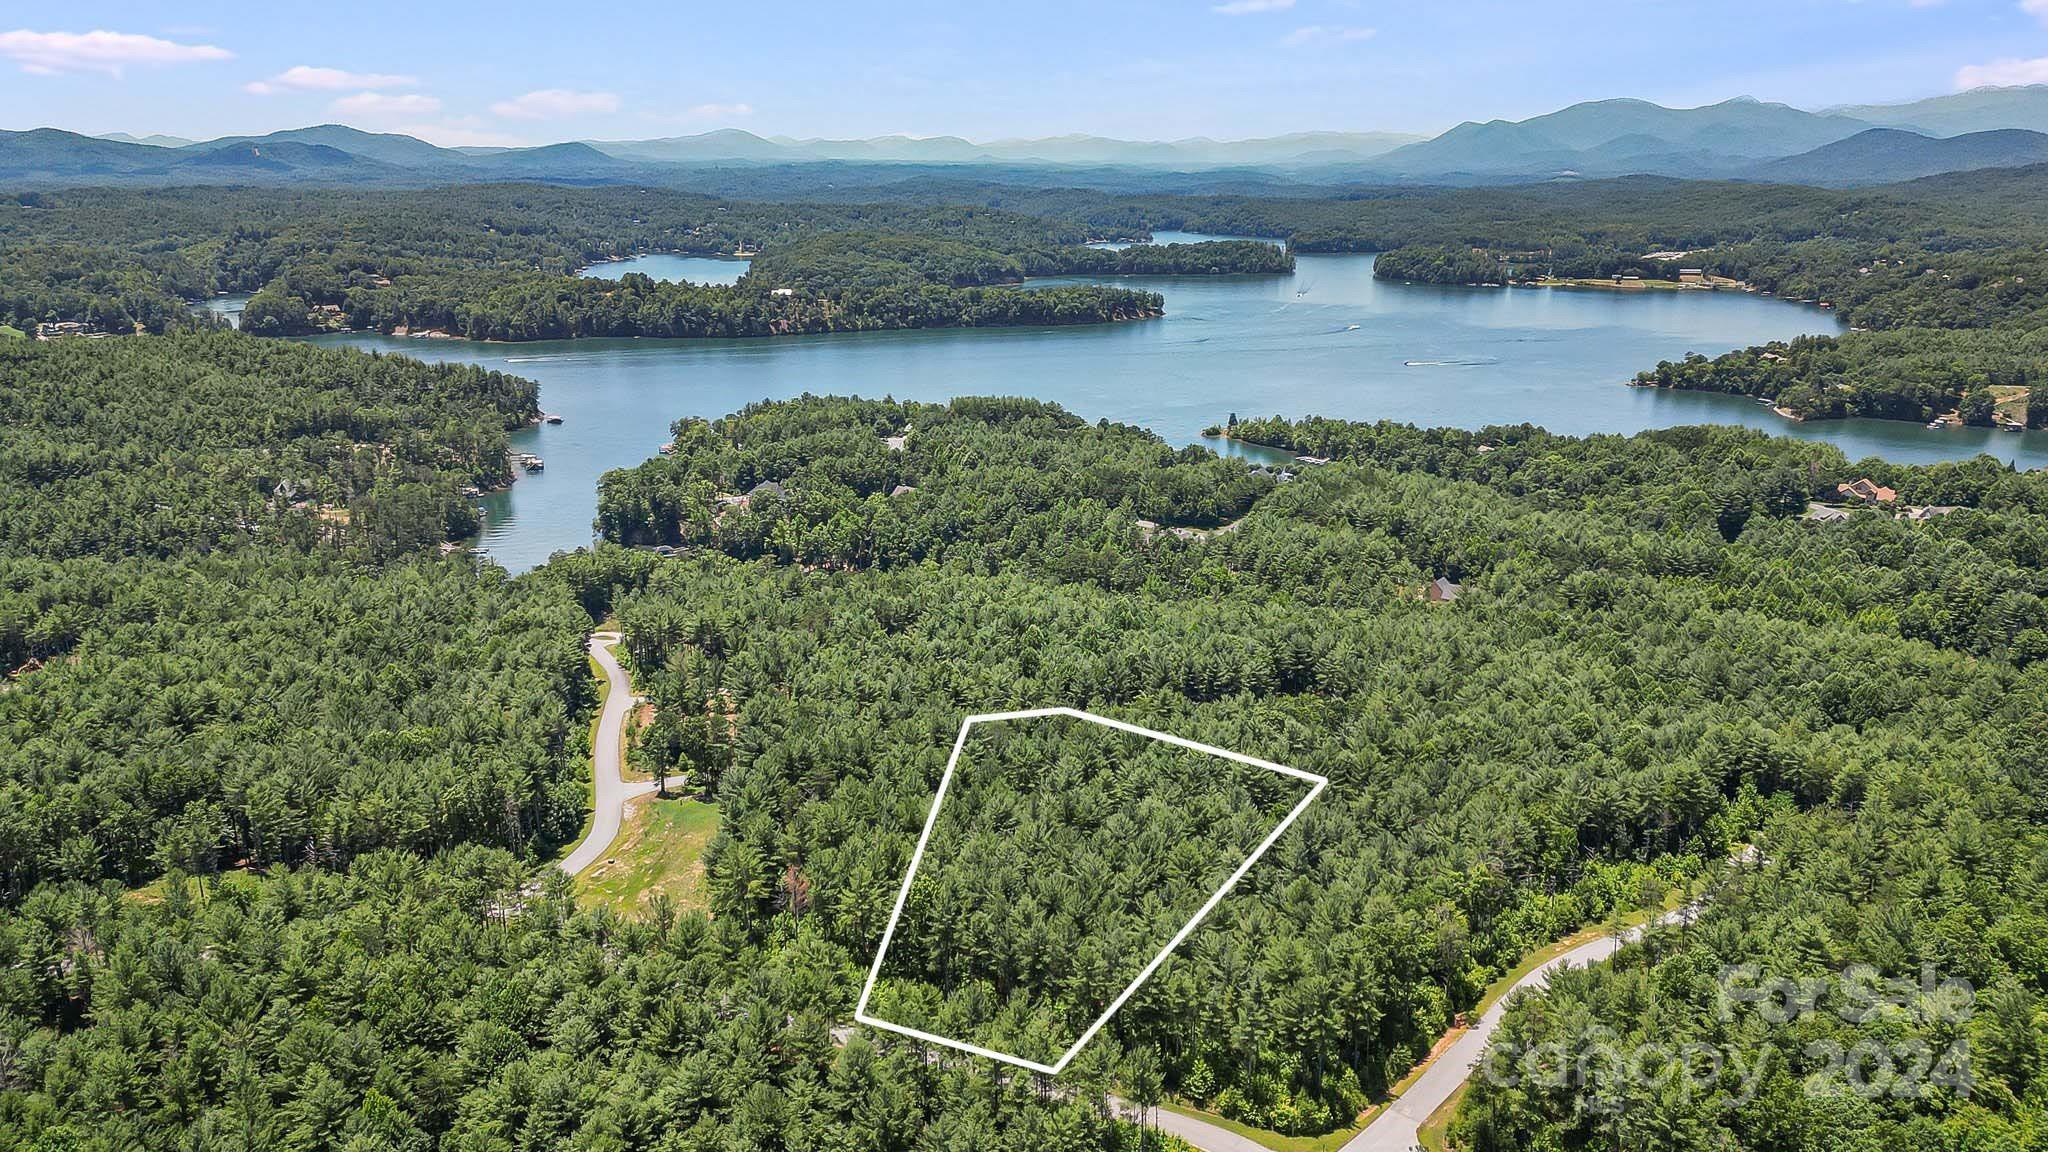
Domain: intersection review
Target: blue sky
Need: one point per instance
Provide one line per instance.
(460, 73)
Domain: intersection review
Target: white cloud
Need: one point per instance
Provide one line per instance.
(1247, 7)
(2038, 7)
(1326, 34)
(306, 78)
(384, 106)
(718, 111)
(556, 104)
(2003, 73)
(48, 53)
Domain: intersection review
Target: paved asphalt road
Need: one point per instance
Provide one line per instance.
(1396, 1129)
(609, 790)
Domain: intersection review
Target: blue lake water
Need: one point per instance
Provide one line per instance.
(228, 308)
(675, 269)
(1327, 340)
(1169, 236)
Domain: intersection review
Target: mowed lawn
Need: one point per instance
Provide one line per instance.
(659, 850)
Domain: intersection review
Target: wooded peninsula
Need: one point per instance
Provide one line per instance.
(1942, 279)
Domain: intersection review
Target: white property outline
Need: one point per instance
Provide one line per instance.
(860, 1011)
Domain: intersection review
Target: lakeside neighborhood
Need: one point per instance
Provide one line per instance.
(1866, 495)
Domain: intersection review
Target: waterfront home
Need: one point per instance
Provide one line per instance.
(1866, 490)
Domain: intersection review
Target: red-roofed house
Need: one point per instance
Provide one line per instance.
(1866, 490)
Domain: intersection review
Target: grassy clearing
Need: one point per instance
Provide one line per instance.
(153, 892)
(1434, 1134)
(1328, 1142)
(1613, 285)
(637, 720)
(660, 849)
(10, 332)
(2012, 401)
(197, 888)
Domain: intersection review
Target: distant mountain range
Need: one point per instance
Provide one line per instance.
(1741, 139)
(1884, 155)
(1610, 137)
(325, 154)
(1978, 110)
(1295, 149)
(161, 141)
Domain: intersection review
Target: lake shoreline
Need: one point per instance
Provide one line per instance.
(437, 335)
(635, 257)
(1761, 402)
(1332, 340)
(1275, 448)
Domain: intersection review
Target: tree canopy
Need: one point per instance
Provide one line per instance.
(277, 802)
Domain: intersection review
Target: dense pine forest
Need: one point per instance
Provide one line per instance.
(1654, 661)
(279, 781)
(500, 262)
(278, 785)
(1066, 856)
(201, 442)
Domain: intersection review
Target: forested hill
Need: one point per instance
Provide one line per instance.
(225, 638)
(1653, 661)
(278, 786)
(271, 819)
(852, 483)
(160, 446)
(500, 262)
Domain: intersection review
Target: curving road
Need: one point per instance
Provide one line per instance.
(610, 791)
(1397, 1129)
